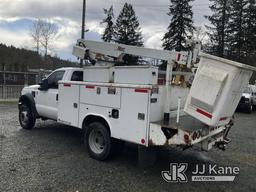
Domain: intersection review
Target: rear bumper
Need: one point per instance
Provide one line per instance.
(161, 135)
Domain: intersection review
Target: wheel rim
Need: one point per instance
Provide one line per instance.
(24, 116)
(96, 141)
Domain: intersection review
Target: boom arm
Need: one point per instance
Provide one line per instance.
(85, 47)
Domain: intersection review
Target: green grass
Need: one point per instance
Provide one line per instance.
(8, 101)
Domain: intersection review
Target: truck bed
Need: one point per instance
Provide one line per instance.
(186, 123)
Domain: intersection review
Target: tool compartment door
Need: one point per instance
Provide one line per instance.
(134, 115)
(68, 107)
(101, 96)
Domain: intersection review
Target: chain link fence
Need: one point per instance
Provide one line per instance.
(10, 91)
(11, 83)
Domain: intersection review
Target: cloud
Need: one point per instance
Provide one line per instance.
(18, 38)
(67, 15)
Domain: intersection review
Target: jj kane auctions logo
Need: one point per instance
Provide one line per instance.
(200, 173)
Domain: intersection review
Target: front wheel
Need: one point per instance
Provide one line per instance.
(26, 117)
(98, 141)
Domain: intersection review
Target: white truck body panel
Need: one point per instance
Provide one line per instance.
(130, 101)
(68, 108)
(98, 74)
(142, 75)
(96, 95)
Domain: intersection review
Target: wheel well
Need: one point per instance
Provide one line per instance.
(93, 118)
(24, 100)
(29, 100)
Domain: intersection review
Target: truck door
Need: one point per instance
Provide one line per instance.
(47, 101)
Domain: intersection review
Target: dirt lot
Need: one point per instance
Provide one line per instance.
(51, 158)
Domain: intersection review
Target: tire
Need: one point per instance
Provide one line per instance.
(250, 109)
(26, 117)
(98, 141)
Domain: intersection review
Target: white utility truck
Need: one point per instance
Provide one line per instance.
(113, 104)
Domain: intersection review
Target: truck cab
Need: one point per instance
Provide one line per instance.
(44, 97)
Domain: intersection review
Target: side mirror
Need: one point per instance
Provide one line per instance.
(44, 86)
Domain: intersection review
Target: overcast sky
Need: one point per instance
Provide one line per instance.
(16, 17)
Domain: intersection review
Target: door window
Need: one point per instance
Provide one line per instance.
(77, 76)
(54, 78)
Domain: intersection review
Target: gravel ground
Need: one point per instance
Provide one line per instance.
(51, 157)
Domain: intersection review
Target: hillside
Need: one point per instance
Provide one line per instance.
(20, 60)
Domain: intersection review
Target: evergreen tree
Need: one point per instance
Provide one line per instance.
(181, 26)
(250, 32)
(109, 30)
(218, 32)
(128, 31)
(237, 29)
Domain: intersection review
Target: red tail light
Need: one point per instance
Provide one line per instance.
(186, 138)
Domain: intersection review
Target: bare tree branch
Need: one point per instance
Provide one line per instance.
(35, 33)
(48, 33)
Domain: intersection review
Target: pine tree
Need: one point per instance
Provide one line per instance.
(237, 29)
(181, 26)
(109, 30)
(128, 31)
(250, 32)
(218, 32)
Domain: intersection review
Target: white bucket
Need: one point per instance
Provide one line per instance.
(217, 89)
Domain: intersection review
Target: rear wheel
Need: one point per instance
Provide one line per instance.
(250, 109)
(26, 117)
(98, 141)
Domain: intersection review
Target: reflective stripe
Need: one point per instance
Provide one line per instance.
(67, 85)
(223, 118)
(141, 90)
(204, 113)
(89, 86)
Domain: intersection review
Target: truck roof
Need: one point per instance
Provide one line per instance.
(69, 68)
